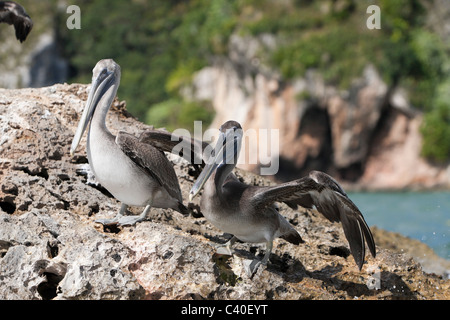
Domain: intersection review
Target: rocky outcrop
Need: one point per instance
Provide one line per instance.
(367, 135)
(50, 247)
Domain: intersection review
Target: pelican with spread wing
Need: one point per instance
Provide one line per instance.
(249, 212)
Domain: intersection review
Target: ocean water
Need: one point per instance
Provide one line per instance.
(419, 215)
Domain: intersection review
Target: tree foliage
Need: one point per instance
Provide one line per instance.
(160, 44)
(151, 40)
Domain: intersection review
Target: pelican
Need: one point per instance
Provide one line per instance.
(13, 13)
(249, 213)
(134, 172)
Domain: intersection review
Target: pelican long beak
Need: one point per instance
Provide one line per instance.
(99, 86)
(225, 151)
(202, 178)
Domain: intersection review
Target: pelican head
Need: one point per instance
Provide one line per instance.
(105, 75)
(225, 154)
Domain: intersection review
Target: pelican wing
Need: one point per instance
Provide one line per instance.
(322, 191)
(13, 13)
(23, 26)
(152, 160)
(188, 148)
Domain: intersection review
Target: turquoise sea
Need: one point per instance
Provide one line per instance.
(419, 215)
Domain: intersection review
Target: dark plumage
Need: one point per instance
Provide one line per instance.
(14, 14)
(225, 197)
(249, 214)
(153, 162)
(323, 192)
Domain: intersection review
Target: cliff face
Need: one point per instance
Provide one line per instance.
(50, 247)
(367, 135)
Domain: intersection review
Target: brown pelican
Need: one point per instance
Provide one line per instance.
(134, 172)
(248, 212)
(13, 13)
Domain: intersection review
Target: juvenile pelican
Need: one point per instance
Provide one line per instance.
(248, 212)
(134, 172)
(13, 13)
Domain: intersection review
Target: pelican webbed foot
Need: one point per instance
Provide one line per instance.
(130, 220)
(107, 222)
(226, 248)
(122, 220)
(251, 266)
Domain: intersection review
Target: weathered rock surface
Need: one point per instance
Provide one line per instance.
(50, 247)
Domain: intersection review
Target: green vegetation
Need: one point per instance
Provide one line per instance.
(160, 44)
(436, 126)
(175, 113)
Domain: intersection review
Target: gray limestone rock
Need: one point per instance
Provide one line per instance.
(51, 248)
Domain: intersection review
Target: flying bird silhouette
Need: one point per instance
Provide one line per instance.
(14, 14)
